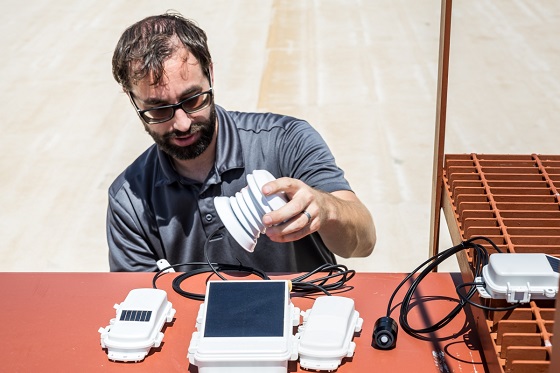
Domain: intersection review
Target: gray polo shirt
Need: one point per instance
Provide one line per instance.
(154, 213)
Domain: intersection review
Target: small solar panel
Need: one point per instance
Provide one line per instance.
(554, 263)
(245, 309)
(135, 315)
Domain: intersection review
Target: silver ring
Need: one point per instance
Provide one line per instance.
(308, 216)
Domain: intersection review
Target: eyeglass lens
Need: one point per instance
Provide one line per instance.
(190, 105)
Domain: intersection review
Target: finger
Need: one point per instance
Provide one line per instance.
(290, 231)
(289, 237)
(284, 184)
(308, 216)
(286, 213)
(301, 225)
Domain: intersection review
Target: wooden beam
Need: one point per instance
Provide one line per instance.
(441, 111)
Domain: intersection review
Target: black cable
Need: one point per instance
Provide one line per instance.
(507, 308)
(215, 267)
(205, 267)
(480, 259)
(338, 272)
(163, 271)
(325, 284)
(205, 249)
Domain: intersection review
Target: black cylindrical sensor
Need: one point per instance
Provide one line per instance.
(385, 333)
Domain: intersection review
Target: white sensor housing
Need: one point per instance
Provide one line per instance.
(520, 277)
(245, 327)
(325, 337)
(242, 214)
(137, 325)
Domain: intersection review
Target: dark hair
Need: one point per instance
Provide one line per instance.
(145, 46)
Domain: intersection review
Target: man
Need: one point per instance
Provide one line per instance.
(161, 206)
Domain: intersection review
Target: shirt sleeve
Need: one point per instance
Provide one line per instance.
(129, 250)
(306, 156)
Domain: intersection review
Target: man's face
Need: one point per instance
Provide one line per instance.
(184, 136)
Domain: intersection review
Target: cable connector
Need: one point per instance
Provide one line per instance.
(164, 264)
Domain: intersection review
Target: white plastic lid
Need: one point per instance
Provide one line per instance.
(326, 333)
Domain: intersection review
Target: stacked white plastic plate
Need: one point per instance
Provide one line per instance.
(242, 214)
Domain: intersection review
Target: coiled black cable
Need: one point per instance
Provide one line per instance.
(480, 259)
(337, 272)
(336, 278)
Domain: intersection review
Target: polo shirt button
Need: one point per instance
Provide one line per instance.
(208, 217)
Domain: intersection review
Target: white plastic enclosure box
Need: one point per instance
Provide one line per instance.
(245, 326)
(519, 277)
(137, 325)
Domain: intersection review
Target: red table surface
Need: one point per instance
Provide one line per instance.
(50, 323)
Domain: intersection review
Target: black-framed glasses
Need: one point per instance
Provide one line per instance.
(161, 114)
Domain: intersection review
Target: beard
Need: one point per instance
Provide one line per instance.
(207, 128)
